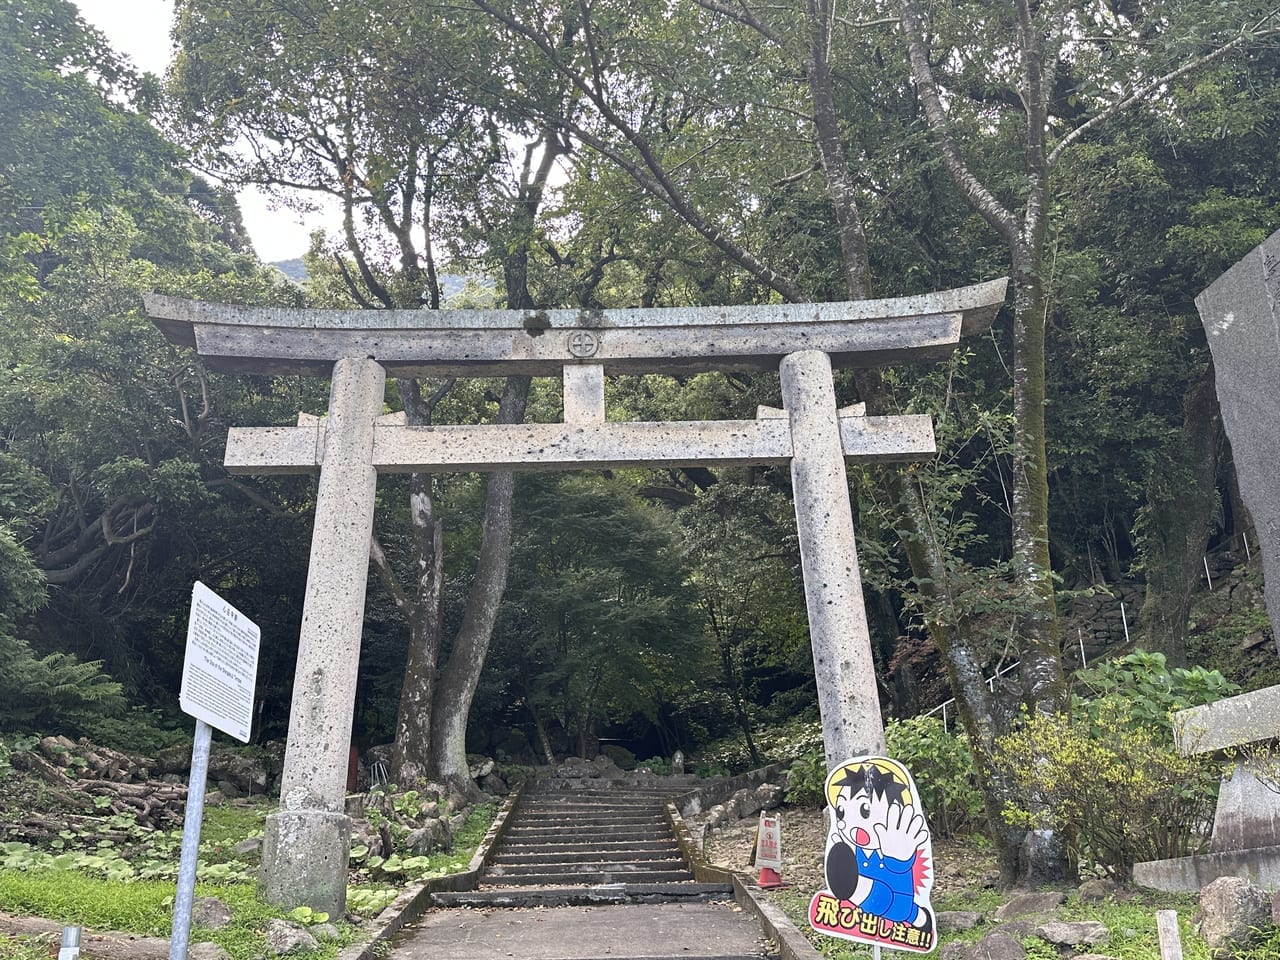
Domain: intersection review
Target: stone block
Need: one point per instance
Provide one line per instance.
(1095, 891)
(1248, 812)
(284, 937)
(210, 912)
(1188, 874)
(1027, 904)
(1247, 718)
(1086, 933)
(950, 921)
(996, 946)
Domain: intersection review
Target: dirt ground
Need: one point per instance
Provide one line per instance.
(959, 865)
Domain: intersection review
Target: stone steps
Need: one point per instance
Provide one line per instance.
(579, 834)
(586, 895)
(600, 844)
(562, 821)
(571, 875)
(587, 853)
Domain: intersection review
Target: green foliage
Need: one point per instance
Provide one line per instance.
(596, 621)
(806, 779)
(1142, 692)
(658, 765)
(306, 916)
(144, 907)
(710, 768)
(1119, 793)
(9, 745)
(138, 907)
(940, 763)
(25, 948)
(1108, 775)
(142, 730)
(398, 868)
(369, 901)
(942, 766)
(778, 743)
(61, 694)
(1263, 946)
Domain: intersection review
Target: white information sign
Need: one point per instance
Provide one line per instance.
(221, 665)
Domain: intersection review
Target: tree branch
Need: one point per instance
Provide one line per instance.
(991, 209)
(378, 557)
(648, 172)
(1141, 94)
(741, 13)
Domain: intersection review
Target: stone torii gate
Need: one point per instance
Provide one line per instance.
(306, 844)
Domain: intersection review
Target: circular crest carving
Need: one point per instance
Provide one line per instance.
(583, 343)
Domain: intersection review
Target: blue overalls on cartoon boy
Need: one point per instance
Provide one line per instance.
(878, 857)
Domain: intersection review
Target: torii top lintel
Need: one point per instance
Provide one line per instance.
(860, 333)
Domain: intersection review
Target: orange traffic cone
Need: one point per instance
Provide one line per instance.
(770, 879)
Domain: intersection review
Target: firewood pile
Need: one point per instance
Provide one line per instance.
(91, 784)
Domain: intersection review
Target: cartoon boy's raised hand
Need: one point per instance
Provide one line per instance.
(903, 833)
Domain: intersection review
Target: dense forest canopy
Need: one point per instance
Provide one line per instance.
(1111, 159)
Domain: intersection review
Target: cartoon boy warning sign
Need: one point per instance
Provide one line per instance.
(879, 858)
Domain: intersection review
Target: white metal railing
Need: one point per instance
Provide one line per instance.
(943, 708)
(991, 685)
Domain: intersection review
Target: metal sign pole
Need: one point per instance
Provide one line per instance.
(181, 935)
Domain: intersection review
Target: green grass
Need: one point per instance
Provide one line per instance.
(145, 906)
(1132, 926)
(70, 897)
(141, 907)
(228, 824)
(26, 948)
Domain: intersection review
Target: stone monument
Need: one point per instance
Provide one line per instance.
(1246, 824)
(304, 857)
(1241, 316)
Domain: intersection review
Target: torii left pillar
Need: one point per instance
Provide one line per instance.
(305, 845)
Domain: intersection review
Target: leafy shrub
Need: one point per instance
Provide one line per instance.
(142, 730)
(806, 779)
(658, 765)
(1119, 795)
(939, 761)
(942, 766)
(776, 744)
(710, 768)
(1142, 691)
(1108, 776)
(56, 693)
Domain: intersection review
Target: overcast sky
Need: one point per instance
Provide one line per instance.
(140, 30)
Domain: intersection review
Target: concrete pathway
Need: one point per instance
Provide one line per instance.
(617, 932)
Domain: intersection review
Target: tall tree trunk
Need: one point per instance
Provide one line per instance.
(458, 679)
(1180, 503)
(540, 732)
(1037, 627)
(413, 714)
(419, 605)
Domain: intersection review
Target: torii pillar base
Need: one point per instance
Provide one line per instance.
(306, 851)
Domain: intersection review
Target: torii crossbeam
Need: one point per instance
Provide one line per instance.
(306, 843)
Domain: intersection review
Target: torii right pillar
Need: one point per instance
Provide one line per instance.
(842, 661)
